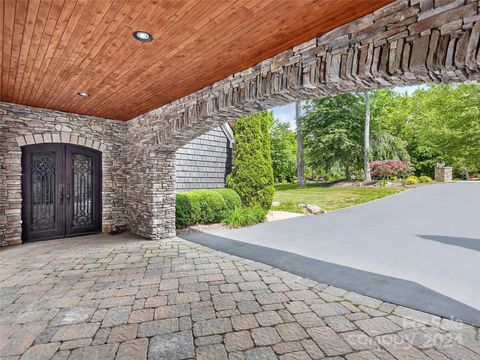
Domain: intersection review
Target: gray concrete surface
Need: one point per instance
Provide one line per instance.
(420, 248)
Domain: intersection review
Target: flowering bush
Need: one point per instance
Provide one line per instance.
(388, 168)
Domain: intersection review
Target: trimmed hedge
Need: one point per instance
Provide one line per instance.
(205, 206)
(232, 199)
(186, 211)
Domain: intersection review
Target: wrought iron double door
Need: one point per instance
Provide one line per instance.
(61, 191)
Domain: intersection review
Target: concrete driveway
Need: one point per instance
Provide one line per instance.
(420, 248)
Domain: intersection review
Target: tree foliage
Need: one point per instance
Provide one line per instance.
(252, 175)
(283, 152)
(333, 128)
(446, 123)
(438, 123)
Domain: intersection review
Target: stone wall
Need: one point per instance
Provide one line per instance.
(21, 125)
(204, 162)
(407, 42)
(138, 183)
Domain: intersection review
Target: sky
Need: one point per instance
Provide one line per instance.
(287, 113)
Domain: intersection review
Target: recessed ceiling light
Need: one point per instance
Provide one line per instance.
(84, 94)
(142, 36)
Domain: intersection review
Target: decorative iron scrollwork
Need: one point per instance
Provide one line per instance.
(43, 191)
(82, 191)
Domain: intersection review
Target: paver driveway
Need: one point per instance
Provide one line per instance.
(419, 248)
(103, 297)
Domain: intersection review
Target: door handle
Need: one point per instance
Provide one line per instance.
(68, 193)
(61, 195)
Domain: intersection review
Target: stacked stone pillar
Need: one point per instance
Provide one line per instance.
(443, 173)
(151, 194)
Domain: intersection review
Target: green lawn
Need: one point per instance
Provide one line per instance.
(328, 198)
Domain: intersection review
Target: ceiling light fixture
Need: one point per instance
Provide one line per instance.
(142, 36)
(84, 94)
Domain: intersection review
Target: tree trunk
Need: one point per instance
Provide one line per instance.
(366, 149)
(300, 160)
(348, 175)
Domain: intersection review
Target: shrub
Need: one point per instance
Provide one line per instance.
(245, 216)
(411, 180)
(389, 168)
(212, 207)
(187, 209)
(383, 182)
(425, 179)
(205, 206)
(232, 199)
(394, 178)
(252, 175)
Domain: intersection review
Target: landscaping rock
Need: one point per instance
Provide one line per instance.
(275, 203)
(312, 209)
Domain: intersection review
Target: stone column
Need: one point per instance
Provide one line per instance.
(443, 173)
(10, 190)
(152, 194)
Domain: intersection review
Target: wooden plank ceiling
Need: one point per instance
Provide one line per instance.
(53, 49)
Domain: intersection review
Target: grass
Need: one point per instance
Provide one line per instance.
(328, 198)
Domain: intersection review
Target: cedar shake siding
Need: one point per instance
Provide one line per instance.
(204, 162)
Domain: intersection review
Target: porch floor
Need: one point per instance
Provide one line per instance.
(122, 297)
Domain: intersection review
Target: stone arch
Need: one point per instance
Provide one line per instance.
(60, 137)
(404, 43)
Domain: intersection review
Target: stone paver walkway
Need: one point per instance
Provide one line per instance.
(103, 297)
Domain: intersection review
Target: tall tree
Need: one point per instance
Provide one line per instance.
(300, 157)
(386, 131)
(446, 123)
(284, 151)
(366, 139)
(333, 130)
(438, 123)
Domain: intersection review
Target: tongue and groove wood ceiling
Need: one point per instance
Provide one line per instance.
(53, 49)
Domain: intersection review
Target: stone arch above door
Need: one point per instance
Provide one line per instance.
(60, 137)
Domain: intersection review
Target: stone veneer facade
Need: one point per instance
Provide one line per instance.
(407, 42)
(22, 125)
